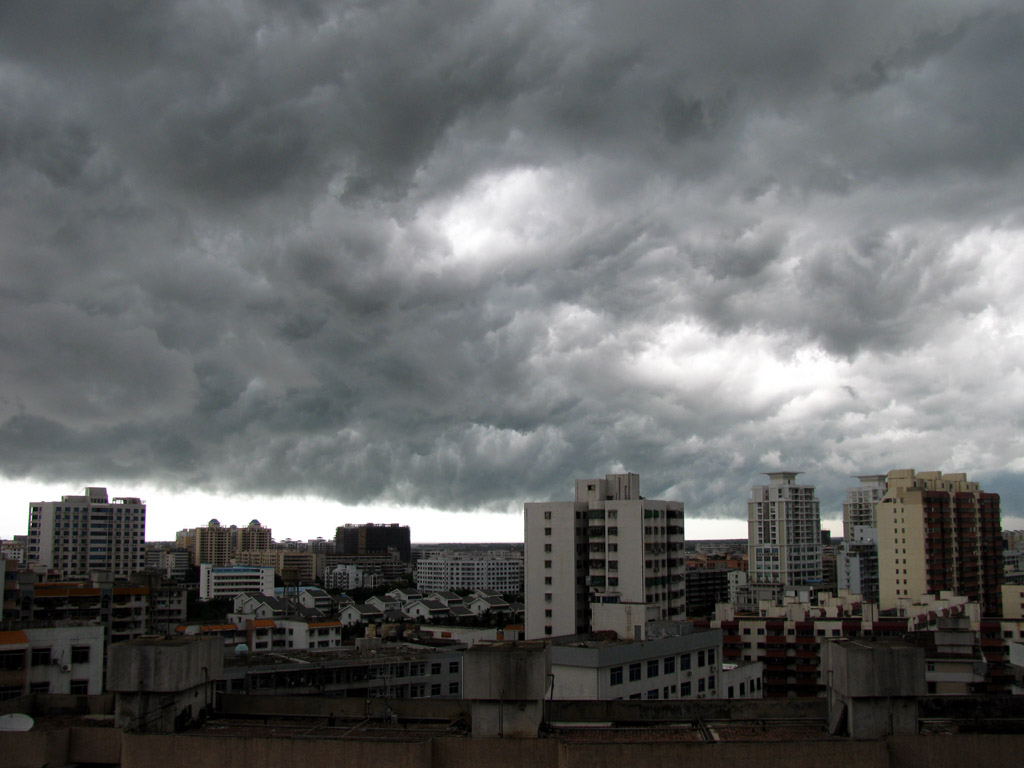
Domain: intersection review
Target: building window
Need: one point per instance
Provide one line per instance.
(711, 683)
(79, 654)
(634, 671)
(652, 694)
(547, 515)
(670, 665)
(615, 676)
(684, 689)
(547, 629)
(547, 563)
(40, 657)
(700, 685)
(79, 687)
(652, 668)
(711, 657)
(684, 662)
(453, 689)
(700, 658)
(435, 668)
(39, 687)
(547, 547)
(435, 689)
(453, 667)
(12, 660)
(547, 531)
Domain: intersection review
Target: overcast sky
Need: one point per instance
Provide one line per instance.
(445, 257)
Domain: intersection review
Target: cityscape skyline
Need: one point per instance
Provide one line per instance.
(165, 519)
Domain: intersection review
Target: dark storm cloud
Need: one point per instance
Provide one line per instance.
(456, 254)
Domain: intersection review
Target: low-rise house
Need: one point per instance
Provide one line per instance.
(361, 613)
(483, 604)
(404, 596)
(448, 598)
(385, 603)
(425, 609)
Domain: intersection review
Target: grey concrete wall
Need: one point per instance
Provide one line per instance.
(726, 755)
(163, 666)
(94, 745)
(506, 671)
(36, 748)
(57, 747)
(686, 710)
(198, 751)
(321, 706)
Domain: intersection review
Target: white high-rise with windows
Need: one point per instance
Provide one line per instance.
(783, 532)
(80, 534)
(610, 549)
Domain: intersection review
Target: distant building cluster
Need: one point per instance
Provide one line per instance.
(606, 585)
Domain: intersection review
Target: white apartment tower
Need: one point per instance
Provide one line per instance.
(80, 534)
(783, 532)
(609, 546)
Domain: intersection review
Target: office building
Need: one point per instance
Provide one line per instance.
(611, 549)
(784, 532)
(372, 539)
(939, 532)
(79, 534)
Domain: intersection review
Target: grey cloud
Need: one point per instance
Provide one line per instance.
(457, 254)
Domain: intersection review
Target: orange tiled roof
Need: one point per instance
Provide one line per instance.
(262, 623)
(13, 637)
(318, 624)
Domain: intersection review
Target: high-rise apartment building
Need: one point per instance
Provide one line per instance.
(81, 534)
(938, 532)
(784, 532)
(372, 539)
(610, 546)
(857, 560)
(859, 504)
(254, 537)
(219, 545)
(212, 544)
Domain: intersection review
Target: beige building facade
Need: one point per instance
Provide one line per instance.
(938, 532)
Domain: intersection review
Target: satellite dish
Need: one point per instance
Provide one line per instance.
(241, 649)
(16, 722)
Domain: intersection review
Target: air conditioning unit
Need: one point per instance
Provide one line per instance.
(65, 667)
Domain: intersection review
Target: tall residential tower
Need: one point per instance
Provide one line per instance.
(80, 534)
(939, 532)
(611, 551)
(783, 532)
